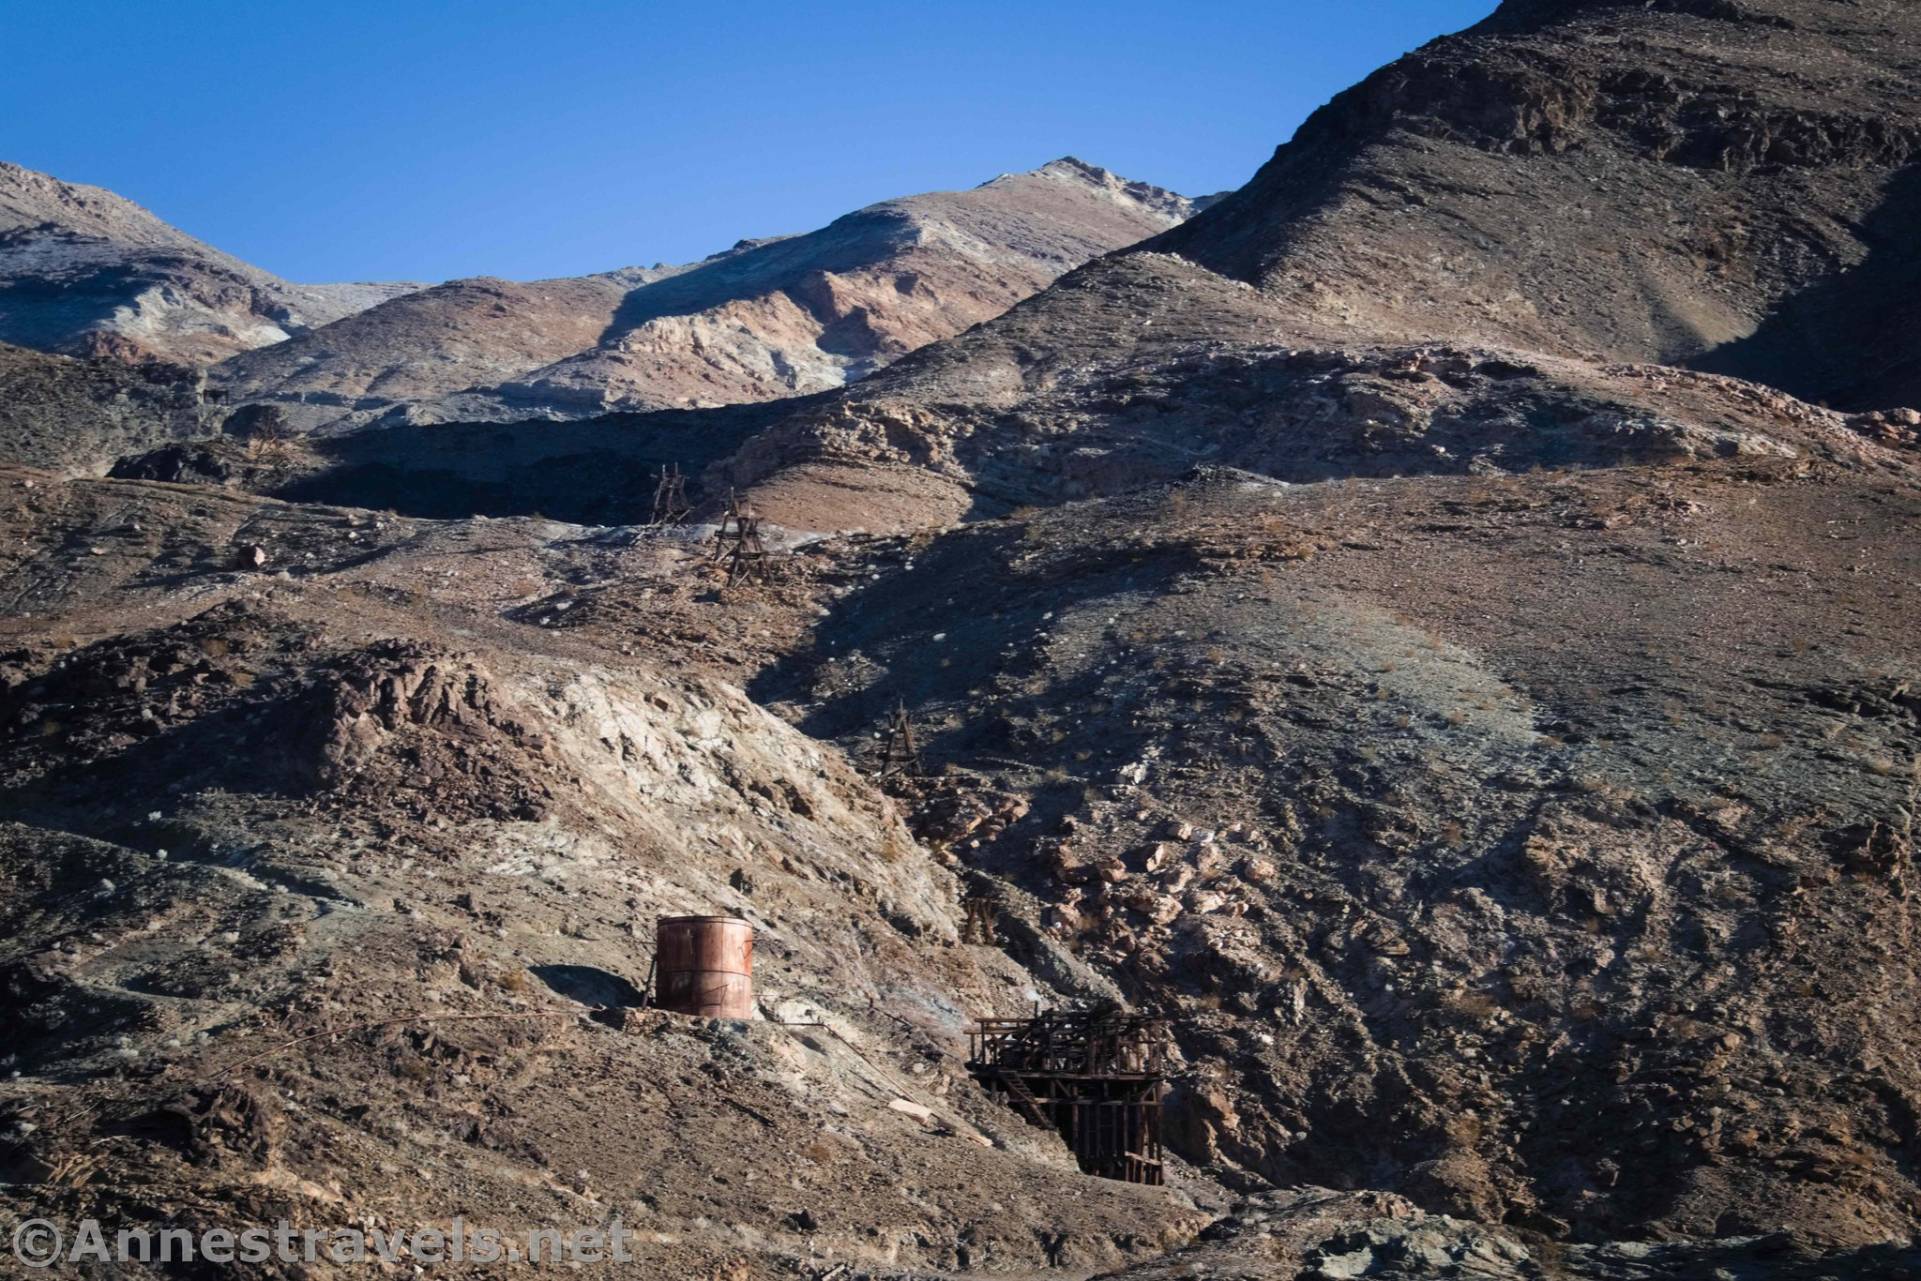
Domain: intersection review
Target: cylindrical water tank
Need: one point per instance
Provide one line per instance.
(705, 965)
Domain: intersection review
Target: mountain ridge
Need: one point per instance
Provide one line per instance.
(1337, 627)
(769, 317)
(85, 271)
(1722, 163)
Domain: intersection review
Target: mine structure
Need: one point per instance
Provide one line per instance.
(899, 753)
(670, 497)
(737, 543)
(704, 965)
(1094, 1075)
(981, 923)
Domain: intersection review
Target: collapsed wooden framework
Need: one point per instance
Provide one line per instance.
(1093, 1075)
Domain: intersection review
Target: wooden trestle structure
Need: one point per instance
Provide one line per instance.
(1094, 1075)
(670, 497)
(899, 753)
(737, 543)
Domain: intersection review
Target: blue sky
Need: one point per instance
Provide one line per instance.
(426, 139)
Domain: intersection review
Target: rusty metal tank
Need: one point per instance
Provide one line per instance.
(704, 965)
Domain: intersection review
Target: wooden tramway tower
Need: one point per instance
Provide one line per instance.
(737, 543)
(899, 753)
(979, 925)
(670, 497)
(1094, 1075)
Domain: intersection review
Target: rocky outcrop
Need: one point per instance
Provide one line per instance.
(1319, 1234)
(440, 713)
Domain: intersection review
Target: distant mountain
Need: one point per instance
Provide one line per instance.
(766, 319)
(1576, 185)
(86, 272)
(1488, 757)
(426, 345)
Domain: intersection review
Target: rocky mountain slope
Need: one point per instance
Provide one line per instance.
(73, 415)
(1497, 751)
(1547, 917)
(380, 953)
(766, 319)
(427, 345)
(86, 272)
(1414, 324)
(1721, 184)
(1715, 185)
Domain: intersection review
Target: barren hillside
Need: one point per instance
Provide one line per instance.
(1711, 183)
(70, 414)
(1402, 626)
(426, 345)
(332, 887)
(86, 272)
(766, 319)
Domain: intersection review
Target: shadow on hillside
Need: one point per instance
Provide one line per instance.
(1847, 341)
(601, 471)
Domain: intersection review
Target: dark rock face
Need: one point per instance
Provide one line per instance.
(173, 463)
